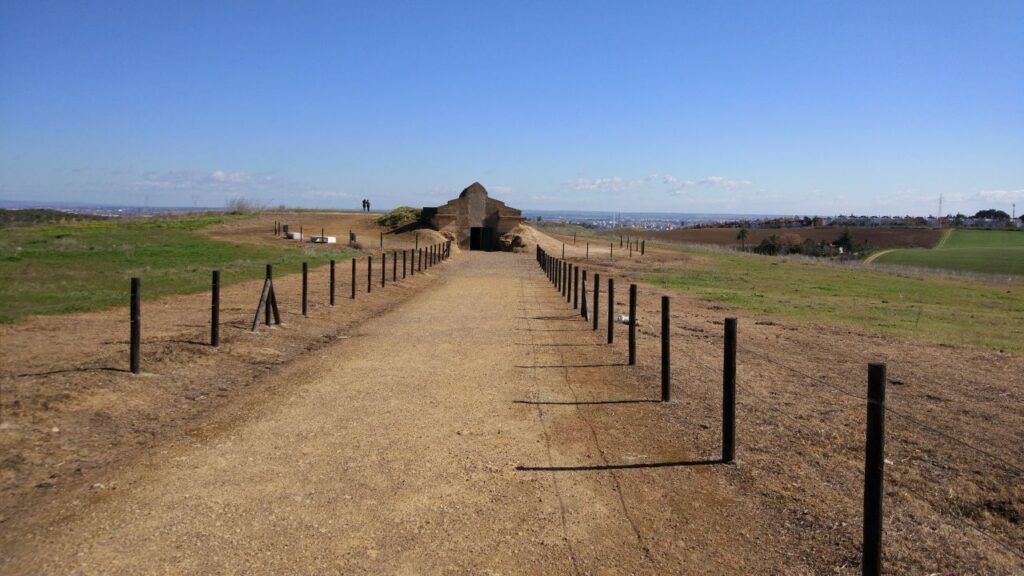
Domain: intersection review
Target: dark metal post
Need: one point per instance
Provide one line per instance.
(597, 299)
(369, 274)
(576, 287)
(332, 282)
(583, 300)
(563, 250)
(874, 471)
(215, 310)
(666, 351)
(643, 247)
(353, 278)
(394, 266)
(383, 268)
(569, 284)
(729, 393)
(403, 264)
(267, 310)
(305, 285)
(611, 310)
(136, 327)
(632, 324)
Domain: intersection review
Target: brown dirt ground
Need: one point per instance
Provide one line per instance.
(949, 508)
(69, 406)
(260, 230)
(385, 437)
(873, 238)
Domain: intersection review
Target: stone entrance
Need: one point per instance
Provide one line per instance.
(474, 220)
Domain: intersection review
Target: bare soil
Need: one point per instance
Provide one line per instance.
(954, 432)
(369, 236)
(410, 433)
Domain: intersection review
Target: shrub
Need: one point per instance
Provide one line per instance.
(401, 216)
(242, 205)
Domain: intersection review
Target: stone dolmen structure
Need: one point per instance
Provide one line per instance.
(474, 220)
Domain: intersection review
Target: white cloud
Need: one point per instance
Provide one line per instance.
(611, 184)
(196, 181)
(1002, 196)
(709, 182)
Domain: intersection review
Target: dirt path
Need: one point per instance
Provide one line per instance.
(942, 242)
(878, 255)
(401, 450)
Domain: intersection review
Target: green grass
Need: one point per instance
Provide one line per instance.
(936, 309)
(56, 269)
(987, 251)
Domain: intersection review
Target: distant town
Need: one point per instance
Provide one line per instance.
(992, 218)
(996, 219)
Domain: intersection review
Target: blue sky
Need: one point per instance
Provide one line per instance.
(744, 107)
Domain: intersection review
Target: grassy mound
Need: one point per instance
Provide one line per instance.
(401, 216)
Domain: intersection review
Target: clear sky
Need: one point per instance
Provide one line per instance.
(744, 107)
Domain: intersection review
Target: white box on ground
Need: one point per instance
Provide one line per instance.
(324, 239)
(295, 236)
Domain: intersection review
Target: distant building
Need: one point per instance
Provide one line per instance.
(474, 219)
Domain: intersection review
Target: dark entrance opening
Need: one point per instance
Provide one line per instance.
(481, 238)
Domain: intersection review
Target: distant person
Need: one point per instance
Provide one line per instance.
(367, 205)
(364, 204)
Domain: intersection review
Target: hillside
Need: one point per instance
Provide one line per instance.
(986, 251)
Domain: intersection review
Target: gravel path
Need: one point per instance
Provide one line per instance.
(419, 445)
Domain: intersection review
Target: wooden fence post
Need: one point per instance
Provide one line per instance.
(874, 471)
(305, 286)
(583, 299)
(597, 299)
(383, 268)
(576, 287)
(729, 393)
(632, 324)
(215, 309)
(267, 312)
(666, 351)
(369, 274)
(136, 326)
(353, 297)
(574, 283)
(403, 263)
(611, 310)
(332, 282)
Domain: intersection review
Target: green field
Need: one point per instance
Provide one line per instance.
(987, 251)
(944, 310)
(55, 269)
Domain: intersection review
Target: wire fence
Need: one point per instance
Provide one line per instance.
(954, 502)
